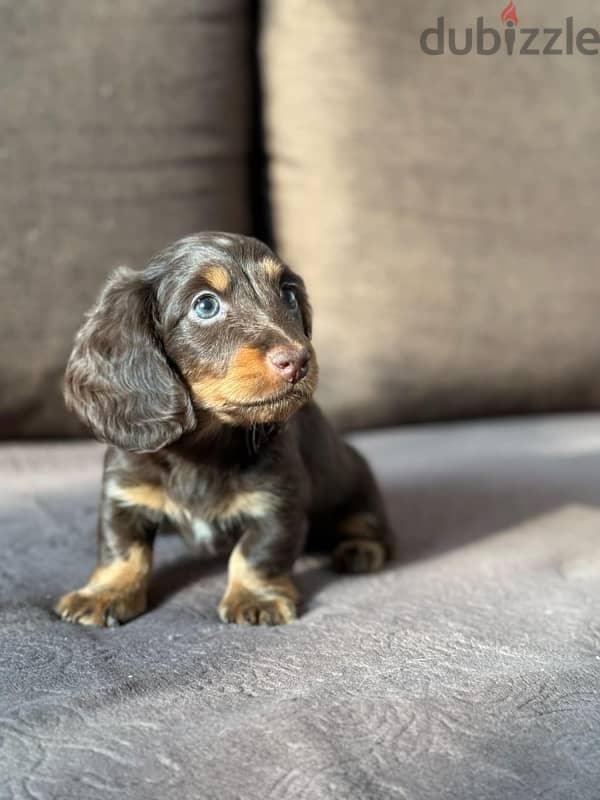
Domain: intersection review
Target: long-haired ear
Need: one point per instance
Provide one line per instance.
(118, 379)
(305, 306)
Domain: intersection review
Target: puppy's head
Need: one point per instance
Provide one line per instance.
(215, 325)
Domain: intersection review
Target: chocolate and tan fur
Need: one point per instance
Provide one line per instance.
(199, 373)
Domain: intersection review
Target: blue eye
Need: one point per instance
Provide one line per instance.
(288, 295)
(207, 306)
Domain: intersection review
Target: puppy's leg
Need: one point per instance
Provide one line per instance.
(362, 532)
(259, 588)
(117, 589)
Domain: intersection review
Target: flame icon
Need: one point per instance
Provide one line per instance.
(509, 14)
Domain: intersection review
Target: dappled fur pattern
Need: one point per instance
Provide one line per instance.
(213, 431)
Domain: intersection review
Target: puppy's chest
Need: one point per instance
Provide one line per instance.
(209, 509)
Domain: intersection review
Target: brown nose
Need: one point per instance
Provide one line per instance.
(291, 363)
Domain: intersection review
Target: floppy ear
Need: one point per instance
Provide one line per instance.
(118, 379)
(305, 306)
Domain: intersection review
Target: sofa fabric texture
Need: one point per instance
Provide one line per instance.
(124, 126)
(442, 208)
(468, 669)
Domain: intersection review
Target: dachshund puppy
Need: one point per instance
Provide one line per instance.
(199, 373)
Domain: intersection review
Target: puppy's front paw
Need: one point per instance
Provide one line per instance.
(104, 608)
(359, 555)
(247, 608)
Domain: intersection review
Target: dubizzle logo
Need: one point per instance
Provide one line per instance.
(509, 14)
(512, 40)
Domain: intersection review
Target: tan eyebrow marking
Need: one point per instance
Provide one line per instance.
(217, 278)
(272, 268)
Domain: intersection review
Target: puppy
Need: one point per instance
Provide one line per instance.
(199, 373)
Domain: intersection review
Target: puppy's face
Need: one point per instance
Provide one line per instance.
(215, 323)
(236, 323)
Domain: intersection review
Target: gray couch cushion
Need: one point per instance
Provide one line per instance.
(124, 126)
(442, 208)
(469, 669)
